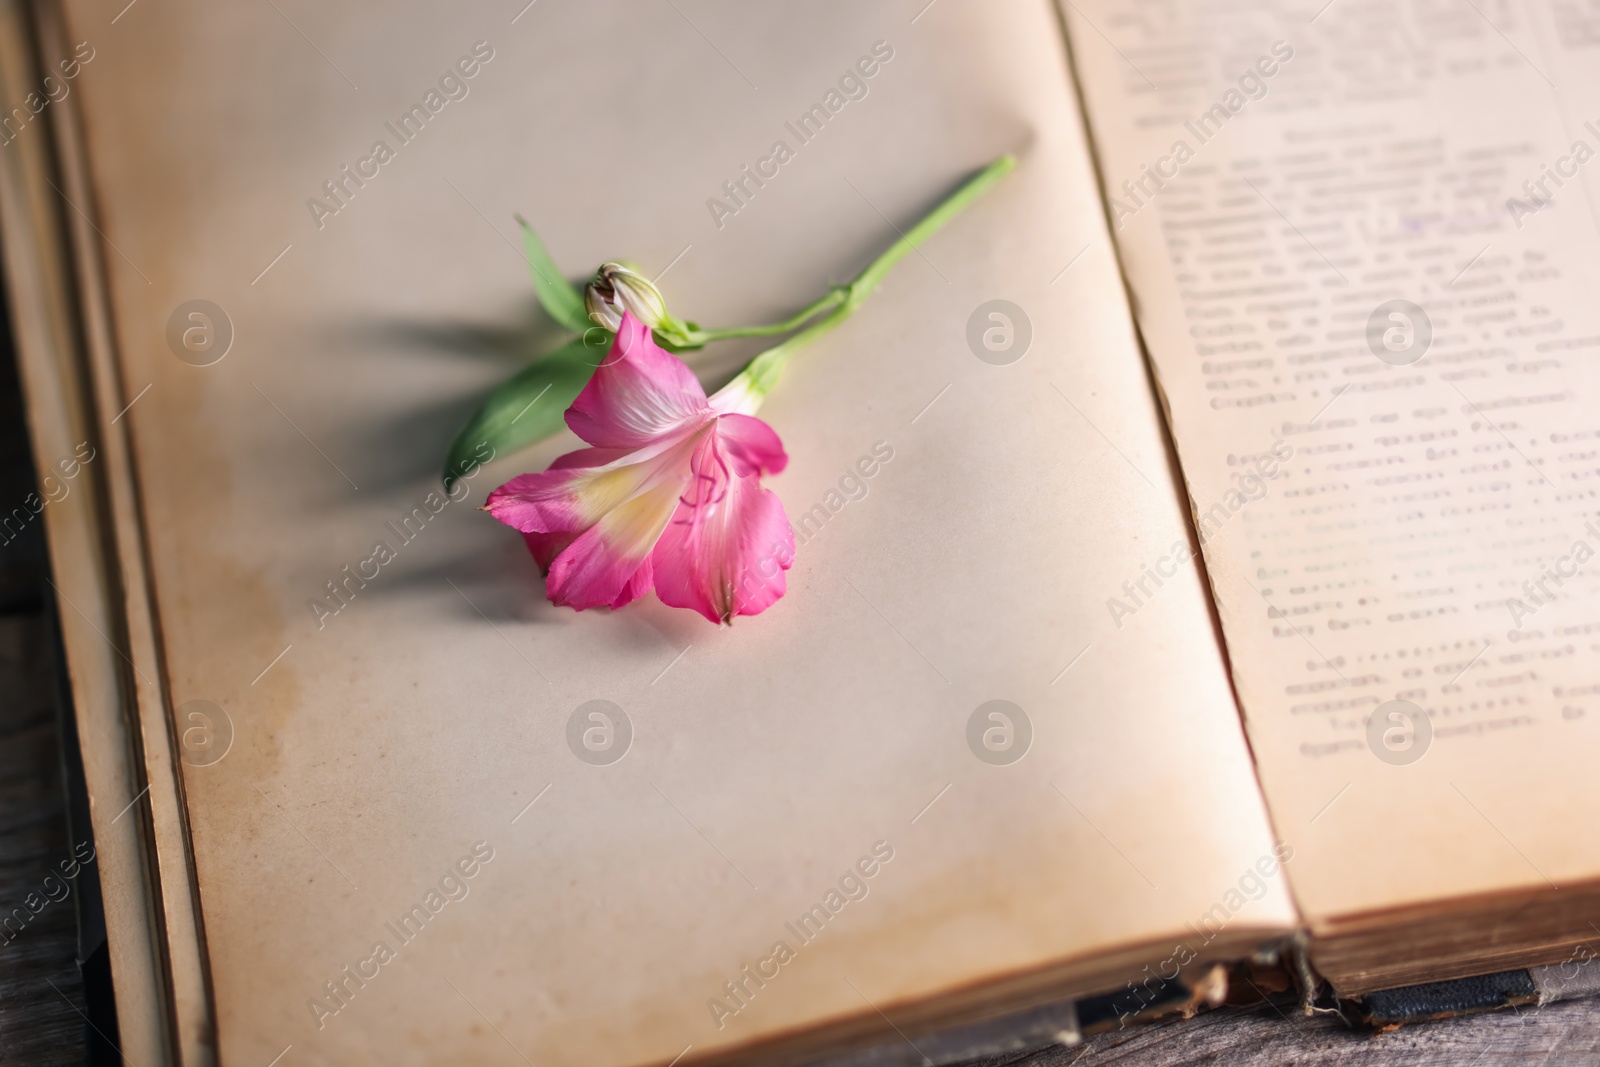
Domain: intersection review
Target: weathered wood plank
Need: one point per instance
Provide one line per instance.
(41, 992)
(1567, 1034)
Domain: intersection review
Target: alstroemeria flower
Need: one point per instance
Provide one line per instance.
(669, 496)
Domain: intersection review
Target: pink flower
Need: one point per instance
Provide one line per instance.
(669, 497)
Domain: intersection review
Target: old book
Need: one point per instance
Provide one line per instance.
(1095, 603)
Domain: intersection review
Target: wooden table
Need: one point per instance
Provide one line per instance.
(1558, 1035)
(41, 991)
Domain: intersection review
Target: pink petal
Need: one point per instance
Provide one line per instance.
(582, 486)
(547, 546)
(728, 545)
(546, 502)
(588, 457)
(600, 568)
(640, 584)
(637, 394)
(752, 445)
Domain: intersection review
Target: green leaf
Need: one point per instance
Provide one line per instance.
(526, 409)
(560, 298)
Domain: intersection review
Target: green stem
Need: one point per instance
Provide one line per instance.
(827, 302)
(762, 372)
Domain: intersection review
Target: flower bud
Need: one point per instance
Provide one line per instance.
(616, 289)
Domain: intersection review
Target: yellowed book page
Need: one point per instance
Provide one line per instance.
(592, 890)
(1362, 242)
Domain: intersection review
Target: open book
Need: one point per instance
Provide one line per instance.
(1195, 556)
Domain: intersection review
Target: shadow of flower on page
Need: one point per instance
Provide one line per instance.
(461, 360)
